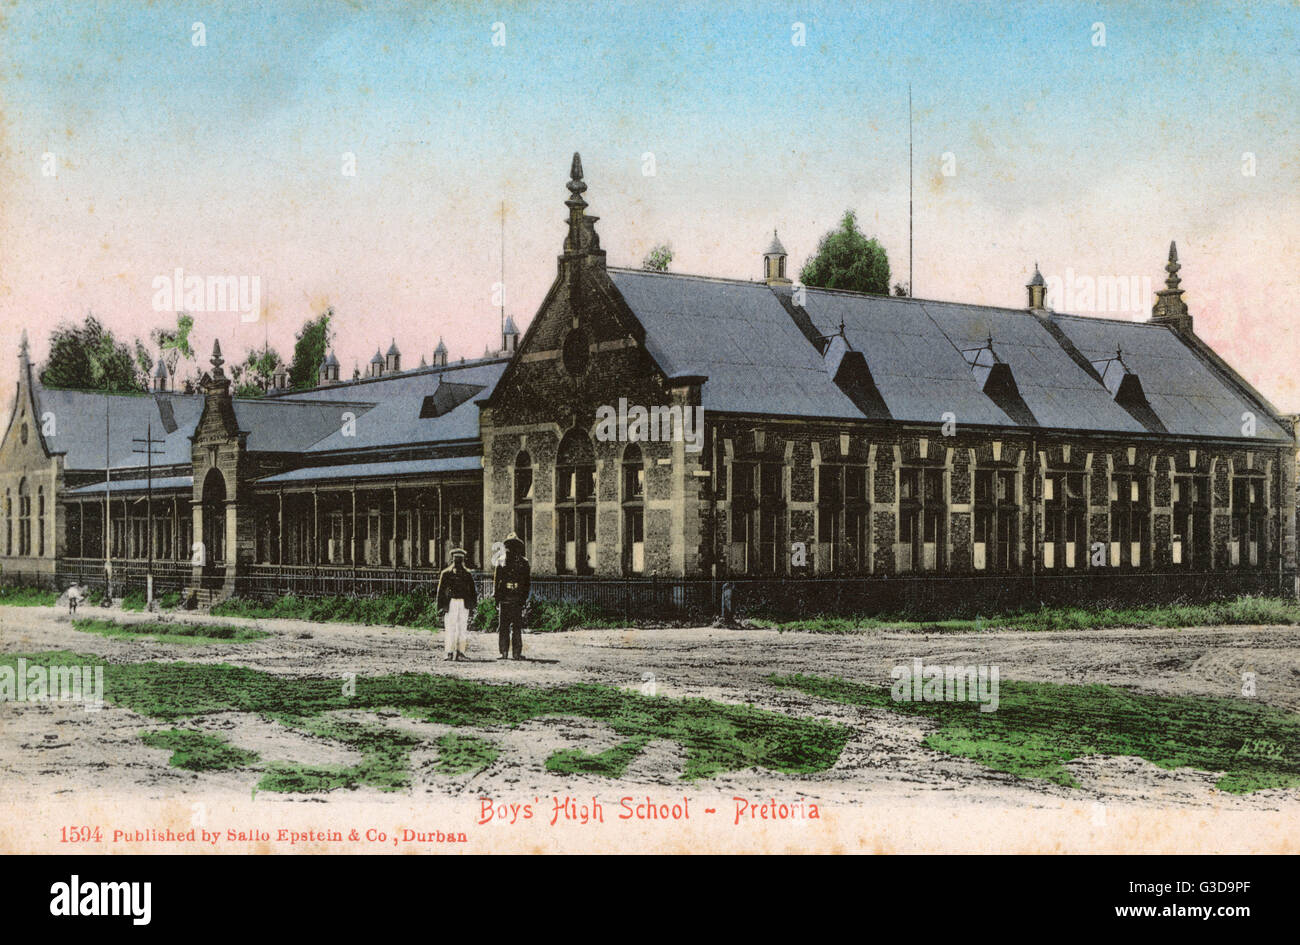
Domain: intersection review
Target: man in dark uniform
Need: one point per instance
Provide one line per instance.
(457, 598)
(510, 588)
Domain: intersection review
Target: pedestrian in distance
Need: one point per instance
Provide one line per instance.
(457, 598)
(510, 587)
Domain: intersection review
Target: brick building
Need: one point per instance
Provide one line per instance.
(652, 435)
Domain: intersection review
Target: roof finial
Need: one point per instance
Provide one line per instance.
(23, 353)
(217, 359)
(575, 203)
(1172, 267)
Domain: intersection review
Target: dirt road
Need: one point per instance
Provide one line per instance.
(59, 750)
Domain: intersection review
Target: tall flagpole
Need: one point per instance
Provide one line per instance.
(911, 279)
(503, 273)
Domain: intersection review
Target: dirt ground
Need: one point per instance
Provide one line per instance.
(59, 751)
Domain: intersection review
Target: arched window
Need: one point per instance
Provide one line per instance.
(575, 505)
(24, 519)
(40, 521)
(523, 501)
(633, 510)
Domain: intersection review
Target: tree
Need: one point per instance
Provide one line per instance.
(848, 260)
(658, 259)
(254, 375)
(174, 344)
(88, 357)
(313, 340)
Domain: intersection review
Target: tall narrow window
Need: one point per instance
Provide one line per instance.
(841, 518)
(921, 516)
(575, 503)
(1246, 541)
(1065, 512)
(24, 519)
(523, 502)
(744, 512)
(996, 545)
(1129, 516)
(1190, 536)
(633, 511)
(771, 518)
(9, 523)
(40, 521)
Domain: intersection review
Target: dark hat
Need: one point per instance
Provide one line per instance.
(513, 540)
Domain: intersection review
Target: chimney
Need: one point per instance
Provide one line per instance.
(774, 263)
(1037, 291)
(1170, 309)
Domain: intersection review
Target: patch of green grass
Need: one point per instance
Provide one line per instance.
(461, 754)
(28, 597)
(716, 737)
(545, 616)
(199, 751)
(1240, 611)
(610, 763)
(418, 610)
(190, 633)
(1037, 727)
(385, 757)
(134, 601)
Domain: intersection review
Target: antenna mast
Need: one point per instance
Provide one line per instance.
(910, 278)
(503, 273)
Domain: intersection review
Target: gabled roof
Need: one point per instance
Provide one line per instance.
(78, 427)
(1190, 397)
(740, 336)
(396, 419)
(759, 357)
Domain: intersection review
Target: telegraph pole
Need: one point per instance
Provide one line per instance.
(147, 448)
(108, 511)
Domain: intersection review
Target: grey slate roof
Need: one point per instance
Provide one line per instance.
(412, 467)
(395, 418)
(280, 425)
(757, 360)
(160, 484)
(78, 424)
(740, 335)
(1186, 393)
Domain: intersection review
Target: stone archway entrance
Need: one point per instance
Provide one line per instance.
(214, 527)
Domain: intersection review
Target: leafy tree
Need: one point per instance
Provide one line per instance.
(88, 357)
(253, 376)
(848, 260)
(658, 259)
(309, 350)
(175, 343)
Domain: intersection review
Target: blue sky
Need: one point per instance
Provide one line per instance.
(226, 158)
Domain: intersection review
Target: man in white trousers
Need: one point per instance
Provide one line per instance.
(457, 598)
